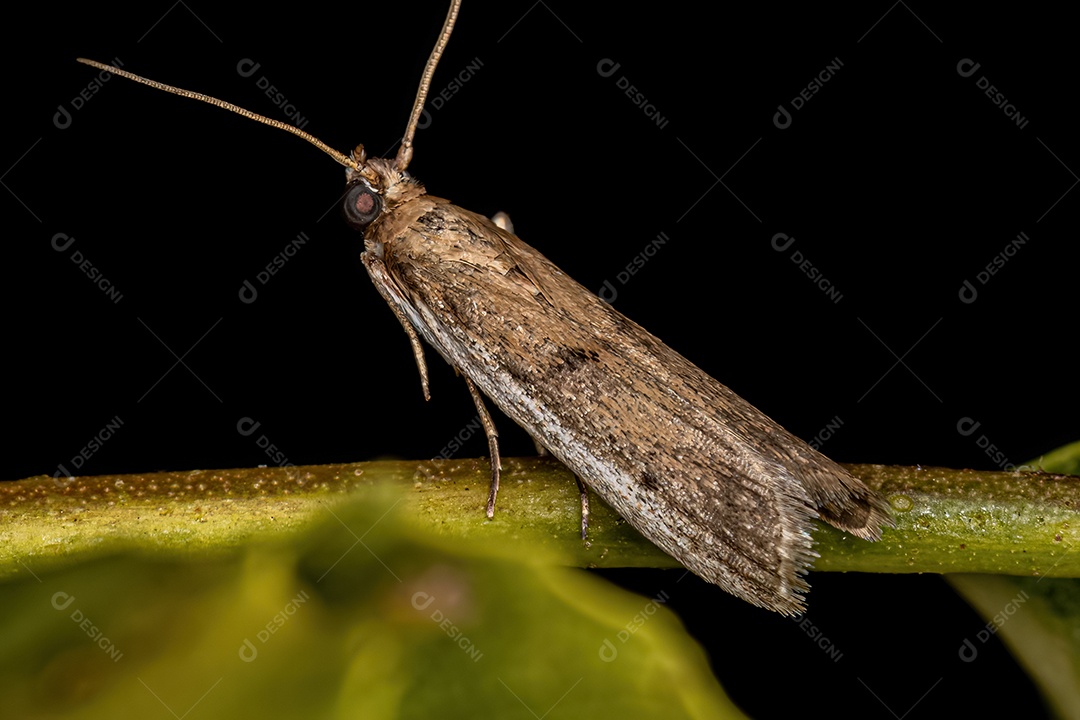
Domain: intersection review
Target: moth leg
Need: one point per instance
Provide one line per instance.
(584, 509)
(493, 445)
(417, 348)
(384, 285)
(502, 220)
(543, 452)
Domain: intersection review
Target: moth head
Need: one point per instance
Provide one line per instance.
(375, 186)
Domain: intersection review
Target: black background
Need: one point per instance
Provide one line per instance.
(899, 180)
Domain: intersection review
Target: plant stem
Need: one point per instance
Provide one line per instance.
(946, 520)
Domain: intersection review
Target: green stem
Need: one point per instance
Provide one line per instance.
(946, 520)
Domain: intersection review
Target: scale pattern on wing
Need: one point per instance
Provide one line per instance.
(693, 466)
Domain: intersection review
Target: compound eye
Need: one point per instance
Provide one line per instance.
(362, 205)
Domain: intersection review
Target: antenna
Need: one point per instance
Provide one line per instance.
(404, 155)
(404, 152)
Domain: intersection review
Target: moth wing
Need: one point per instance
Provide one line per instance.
(690, 464)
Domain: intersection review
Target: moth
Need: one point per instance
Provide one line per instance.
(691, 465)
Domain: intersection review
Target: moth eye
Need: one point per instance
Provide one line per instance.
(362, 205)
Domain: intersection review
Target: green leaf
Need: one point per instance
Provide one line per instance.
(362, 615)
(1038, 618)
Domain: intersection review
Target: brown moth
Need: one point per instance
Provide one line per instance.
(694, 467)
